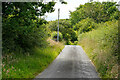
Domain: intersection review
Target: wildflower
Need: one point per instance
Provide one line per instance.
(4, 70)
(12, 67)
(15, 69)
(116, 77)
(7, 71)
(3, 65)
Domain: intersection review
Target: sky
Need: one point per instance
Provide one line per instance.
(65, 8)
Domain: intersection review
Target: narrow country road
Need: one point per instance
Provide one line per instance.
(72, 62)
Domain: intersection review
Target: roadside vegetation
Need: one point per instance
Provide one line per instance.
(101, 46)
(31, 64)
(66, 30)
(97, 27)
(29, 43)
(94, 26)
(27, 48)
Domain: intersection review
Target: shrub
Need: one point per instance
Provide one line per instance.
(65, 28)
(86, 25)
(101, 45)
(69, 42)
(75, 42)
(54, 36)
(21, 39)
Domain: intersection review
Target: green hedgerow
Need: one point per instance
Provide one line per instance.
(54, 36)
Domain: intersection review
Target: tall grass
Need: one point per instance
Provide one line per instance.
(101, 45)
(28, 66)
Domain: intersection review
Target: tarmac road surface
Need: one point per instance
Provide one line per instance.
(72, 62)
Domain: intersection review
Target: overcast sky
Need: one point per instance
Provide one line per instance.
(65, 8)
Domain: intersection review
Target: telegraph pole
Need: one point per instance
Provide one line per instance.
(91, 0)
(58, 26)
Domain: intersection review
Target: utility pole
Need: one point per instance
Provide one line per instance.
(91, 0)
(58, 26)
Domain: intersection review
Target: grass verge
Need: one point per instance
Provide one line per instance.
(101, 45)
(28, 66)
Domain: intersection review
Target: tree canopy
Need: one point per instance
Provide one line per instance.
(22, 29)
(65, 28)
(100, 12)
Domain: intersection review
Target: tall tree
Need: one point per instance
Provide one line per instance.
(100, 12)
(22, 29)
